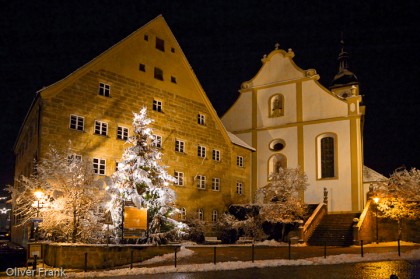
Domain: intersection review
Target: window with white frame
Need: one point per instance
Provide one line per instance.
(183, 214)
(179, 146)
(157, 105)
(104, 89)
(200, 214)
(101, 128)
(215, 184)
(239, 161)
(201, 181)
(122, 133)
(201, 119)
(216, 155)
(157, 141)
(74, 158)
(239, 187)
(77, 122)
(201, 151)
(179, 176)
(99, 166)
(214, 215)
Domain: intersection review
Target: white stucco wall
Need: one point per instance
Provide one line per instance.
(319, 104)
(277, 68)
(263, 96)
(289, 135)
(239, 116)
(339, 188)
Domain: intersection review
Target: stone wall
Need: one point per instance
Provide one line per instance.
(99, 256)
(386, 230)
(176, 121)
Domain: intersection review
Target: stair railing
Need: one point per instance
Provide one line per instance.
(306, 230)
(362, 230)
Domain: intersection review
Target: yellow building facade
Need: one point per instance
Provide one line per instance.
(93, 108)
(293, 121)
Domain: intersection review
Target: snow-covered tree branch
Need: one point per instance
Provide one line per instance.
(70, 200)
(399, 198)
(142, 180)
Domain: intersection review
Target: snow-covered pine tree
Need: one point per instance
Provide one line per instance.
(70, 201)
(141, 179)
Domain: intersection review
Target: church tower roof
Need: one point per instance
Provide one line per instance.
(344, 77)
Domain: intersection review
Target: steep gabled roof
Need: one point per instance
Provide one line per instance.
(163, 27)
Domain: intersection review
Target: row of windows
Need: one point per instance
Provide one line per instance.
(200, 214)
(105, 90)
(99, 167)
(157, 73)
(159, 44)
(201, 181)
(101, 128)
(158, 106)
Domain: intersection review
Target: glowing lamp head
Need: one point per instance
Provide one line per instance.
(38, 193)
(376, 199)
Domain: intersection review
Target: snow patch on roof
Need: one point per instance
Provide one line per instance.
(369, 175)
(238, 141)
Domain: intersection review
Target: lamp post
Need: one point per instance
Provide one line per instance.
(376, 199)
(38, 194)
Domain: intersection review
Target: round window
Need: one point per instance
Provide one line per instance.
(277, 145)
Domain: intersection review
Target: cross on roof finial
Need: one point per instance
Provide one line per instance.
(277, 45)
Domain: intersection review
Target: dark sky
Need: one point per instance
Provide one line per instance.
(43, 41)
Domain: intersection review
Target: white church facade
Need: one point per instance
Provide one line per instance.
(294, 121)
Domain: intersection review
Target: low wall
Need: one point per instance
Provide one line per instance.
(99, 256)
(387, 229)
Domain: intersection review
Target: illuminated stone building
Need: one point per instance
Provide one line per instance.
(93, 108)
(292, 120)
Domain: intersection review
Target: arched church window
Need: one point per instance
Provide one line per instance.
(276, 162)
(276, 105)
(326, 150)
(277, 145)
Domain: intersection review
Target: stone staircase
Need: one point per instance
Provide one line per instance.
(335, 229)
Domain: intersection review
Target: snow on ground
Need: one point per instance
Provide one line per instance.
(181, 254)
(388, 244)
(335, 259)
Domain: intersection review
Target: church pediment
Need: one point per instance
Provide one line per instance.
(277, 67)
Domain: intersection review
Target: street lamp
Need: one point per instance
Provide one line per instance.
(376, 199)
(38, 194)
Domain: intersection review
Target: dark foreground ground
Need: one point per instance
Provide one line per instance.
(372, 270)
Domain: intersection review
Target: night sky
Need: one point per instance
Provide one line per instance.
(41, 42)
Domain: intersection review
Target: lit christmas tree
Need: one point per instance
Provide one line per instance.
(142, 180)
